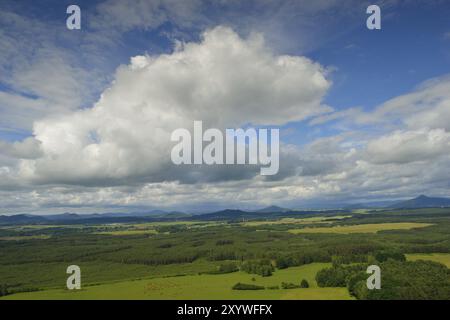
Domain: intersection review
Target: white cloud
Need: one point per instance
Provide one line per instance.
(432, 96)
(409, 146)
(120, 148)
(117, 152)
(436, 115)
(224, 80)
(338, 115)
(26, 149)
(428, 105)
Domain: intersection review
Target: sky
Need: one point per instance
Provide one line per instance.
(86, 115)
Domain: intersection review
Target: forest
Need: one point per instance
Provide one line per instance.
(34, 257)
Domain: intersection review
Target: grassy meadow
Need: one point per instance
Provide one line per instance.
(443, 258)
(362, 228)
(202, 286)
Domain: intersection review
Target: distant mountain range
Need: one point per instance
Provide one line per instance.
(370, 205)
(273, 209)
(265, 213)
(422, 202)
(228, 214)
(114, 217)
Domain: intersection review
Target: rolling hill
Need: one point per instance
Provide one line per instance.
(422, 202)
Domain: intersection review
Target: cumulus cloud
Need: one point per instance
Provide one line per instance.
(409, 146)
(435, 116)
(428, 105)
(117, 151)
(223, 80)
(401, 148)
(26, 149)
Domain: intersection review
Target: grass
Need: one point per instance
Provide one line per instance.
(362, 228)
(203, 286)
(53, 275)
(20, 238)
(443, 258)
(128, 232)
(28, 226)
(294, 221)
(149, 227)
(175, 223)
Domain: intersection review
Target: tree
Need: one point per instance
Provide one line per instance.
(405, 280)
(384, 255)
(262, 267)
(304, 284)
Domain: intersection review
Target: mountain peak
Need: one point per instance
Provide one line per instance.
(273, 209)
(422, 201)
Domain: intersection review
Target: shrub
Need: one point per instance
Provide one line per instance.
(289, 285)
(244, 286)
(228, 267)
(304, 284)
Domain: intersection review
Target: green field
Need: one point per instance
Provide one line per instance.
(204, 259)
(202, 287)
(443, 258)
(128, 232)
(362, 228)
(21, 238)
(294, 221)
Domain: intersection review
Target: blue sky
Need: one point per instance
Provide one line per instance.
(375, 66)
(369, 67)
(376, 82)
